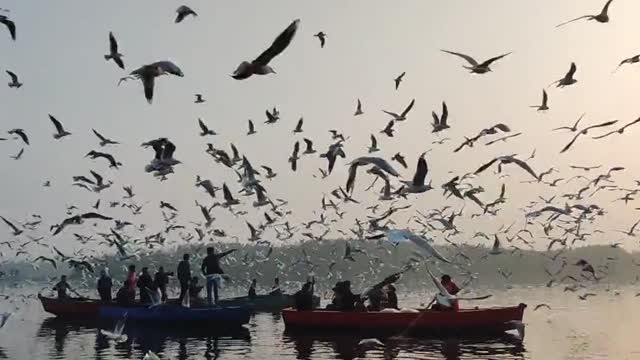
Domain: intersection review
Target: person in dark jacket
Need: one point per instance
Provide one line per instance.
(184, 275)
(252, 289)
(104, 286)
(212, 270)
(145, 284)
(275, 290)
(343, 298)
(160, 282)
(303, 299)
(392, 297)
(123, 297)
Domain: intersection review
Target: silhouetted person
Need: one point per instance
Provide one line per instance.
(392, 297)
(303, 299)
(161, 280)
(212, 270)
(132, 280)
(145, 284)
(252, 289)
(123, 295)
(62, 287)
(104, 286)
(184, 275)
(275, 290)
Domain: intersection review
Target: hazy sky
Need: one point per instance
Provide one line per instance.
(59, 57)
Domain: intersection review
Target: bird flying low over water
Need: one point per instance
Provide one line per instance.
(260, 65)
(477, 68)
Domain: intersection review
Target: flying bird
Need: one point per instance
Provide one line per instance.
(358, 109)
(148, 74)
(545, 102)
(113, 52)
(573, 128)
(382, 164)
(205, 130)
(440, 123)
(374, 145)
(298, 128)
(619, 131)
(403, 115)
(14, 80)
(475, 67)
(60, 131)
(11, 26)
(199, 99)
(103, 140)
(78, 220)
(21, 134)
(505, 160)
(388, 130)
(293, 159)
(398, 80)
(96, 154)
(568, 79)
(585, 131)
(322, 37)
(602, 17)
(417, 184)
(15, 230)
(632, 60)
(252, 129)
(400, 159)
(260, 65)
(184, 11)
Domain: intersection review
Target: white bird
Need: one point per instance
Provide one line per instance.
(184, 11)
(60, 131)
(366, 160)
(260, 66)
(117, 333)
(475, 66)
(602, 17)
(403, 115)
(14, 80)
(398, 235)
(113, 52)
(370, 343)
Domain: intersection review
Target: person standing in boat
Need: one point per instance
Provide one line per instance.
(303, 299)
(145, 284)
(452, 289)
(212, 270)
(252, 289)
(194, 291)
(275, 290)
(391, 297)
(160, 282)
(184, 275)
(104, 286)
(131, 281)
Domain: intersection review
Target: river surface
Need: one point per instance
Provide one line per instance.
(604, 326)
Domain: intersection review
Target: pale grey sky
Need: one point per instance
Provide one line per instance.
(59, 57)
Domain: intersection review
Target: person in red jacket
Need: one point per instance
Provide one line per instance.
(452, 289)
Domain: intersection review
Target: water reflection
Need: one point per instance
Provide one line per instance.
(141, 339)
(346, 347)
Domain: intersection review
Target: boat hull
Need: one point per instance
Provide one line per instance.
(173, 314)
(426, 322)
(73, 308)
(266, 303)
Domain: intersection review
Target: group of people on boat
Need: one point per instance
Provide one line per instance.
(275, 290)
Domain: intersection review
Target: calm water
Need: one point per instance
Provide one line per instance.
(603, 327)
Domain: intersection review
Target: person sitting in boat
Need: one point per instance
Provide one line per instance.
(252, 289)
(194, 290)
(62, 286)
(160, 282)
(376, 299)
(391, 297)
(212, 270)
(184, 275)
(145, 284)
(343, 298)
(303, 299)
(123, 295)
(275, 290)
(104, 286)
(452, 289)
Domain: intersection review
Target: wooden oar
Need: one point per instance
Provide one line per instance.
(484, 297)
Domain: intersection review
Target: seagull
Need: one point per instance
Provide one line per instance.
(545, 99)
(322, 37)
(148, 74)
(11, 26)
(398, 235)
(60, 131)
(632, 60)
(505, 160)
(46, 259)
(398, 80)
(374, 145)
(184, 11)
(603, 17)
(272, 118)
(332, 154)
(113, 51)
(15, 229)
(163, 160)
(117, 333)
(475, 67)
(207, 216)
(574, 128)
(417, 185)
(166, 205)
(228, 198)
(78, 220)
(619, 131)
(539, 306)
(199, 99)
(260, 66)
(585, 131)
(388, 130)
(21, 134)
(252, 129)
(103, 140)
(205, 129)
(403, 115)
(293, 159)
(207, 186)
(504, 138)
(14, 80)
(18, 155)
(358, 109)
(298, 128)
(270, 174)
(309, 147)
(495, 249)
(568, 79)
(631, 230)
(112, 161)
(440, 123)
(365, 160)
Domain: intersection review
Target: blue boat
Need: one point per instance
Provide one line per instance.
(175, 314)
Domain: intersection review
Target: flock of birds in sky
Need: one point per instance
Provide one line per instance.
(562, 220)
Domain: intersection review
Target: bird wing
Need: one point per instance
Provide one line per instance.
(445, 114)
(99, 135)
(9, 223)
(97, 176)
(421, 172)
(572, 71)
(374, 142)
(488, 62)
(299, 124)
(572, 20)
(119, 62)
(56, 123)
(203, 127)
(605, 135)
(409, 107)
(93, 215)
(14, 77)
(570, 143)
(148, 83)
(279, 44)
(309, 144)
(502, 127)
(485, 166)
(351, 180)
(113, 43)
(11, 26)
(468, 58)
(605, 9)
(604, 124)
(226, 192)
(395, 116)
(525, 167)
(545, 97)
(251, 127)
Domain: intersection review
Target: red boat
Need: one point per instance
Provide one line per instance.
(480, 321)
(72, 308)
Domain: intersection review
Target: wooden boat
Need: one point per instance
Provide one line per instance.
(72, 307)
(174, 314)
(266, 303)
(485, 321)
